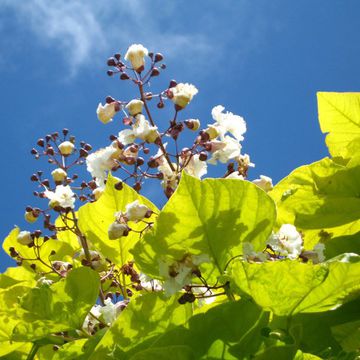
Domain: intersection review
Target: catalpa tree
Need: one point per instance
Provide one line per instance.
(229, 268)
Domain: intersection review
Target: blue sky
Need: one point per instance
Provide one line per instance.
(264, 60)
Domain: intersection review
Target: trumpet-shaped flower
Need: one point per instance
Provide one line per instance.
(195, 167)
(228, 122)
(228, 149)
(183, 93)
(134, 107)
(264, 183)
(143, 130)
(105, 113)
(287, 242)
(63, 197)
(101, 161)
(135, 211)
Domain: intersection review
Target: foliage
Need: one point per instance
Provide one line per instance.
(227, 269)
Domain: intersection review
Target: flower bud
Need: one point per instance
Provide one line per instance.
(24, 238)
(136, 54)
(134, 107)
(192, 124)
(59, 175)
(212, 132)
(117, 230)
(30, 216)
(66, 148)
(158, 57)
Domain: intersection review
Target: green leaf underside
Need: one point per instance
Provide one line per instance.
(45, 310)
(339, 116)
(233, 325)
(323, 196)
(95, 219)
(212, 217)
(61, 247)
(290, 287)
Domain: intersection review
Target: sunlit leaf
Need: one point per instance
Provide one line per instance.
(95, 219)
(212, 217)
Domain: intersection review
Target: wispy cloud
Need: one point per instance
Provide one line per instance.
(85, 30)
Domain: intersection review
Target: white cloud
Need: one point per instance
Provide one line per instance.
(87, 31)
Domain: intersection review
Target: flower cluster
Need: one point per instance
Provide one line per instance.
(287, 243)
(130, 150)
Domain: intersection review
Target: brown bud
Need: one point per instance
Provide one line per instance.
(152, 163)
(111, 62)
(155, 72)
(124, 76)
(41, 142)
(203, 156)
(119, 185)
(83, 153)
(140, 161)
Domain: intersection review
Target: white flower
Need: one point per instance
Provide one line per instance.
(98, 263)
(24, 238)
(228, 122)
(136, 54)
(106, 112)
(169, 177)
(117, 230)
(287, 242)
(235, 175)
(63, 197)
(135, 211)
(101, 161)
(195, 167)
(66, 148)
(264, 183)
(108, 311)
(229, 148)
(43, 281)
(134, 107)
(98, 192)
(143, 130)
(59, 175)
(179, 273)
(126, 136)
(182, 94)
(244, 160)
(90, 321)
